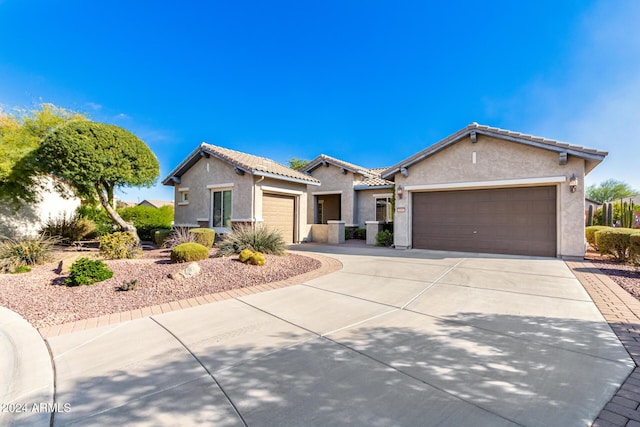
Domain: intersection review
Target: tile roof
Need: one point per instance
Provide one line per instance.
(376, 180)
(244, 162)
(323, 158)
(157, 203)
(593, 157)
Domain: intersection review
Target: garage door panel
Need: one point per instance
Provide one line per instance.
(278, 213)
(518, 221)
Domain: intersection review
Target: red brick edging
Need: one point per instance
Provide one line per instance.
(329, 265)
(622, 311)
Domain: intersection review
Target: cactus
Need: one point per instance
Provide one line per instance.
(609, 221)
(627, 216)
(590, 216)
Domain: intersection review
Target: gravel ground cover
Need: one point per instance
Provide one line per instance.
(625, 275)
(41, 298)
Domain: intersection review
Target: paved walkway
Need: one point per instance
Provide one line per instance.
(393, 338)
(622, 312)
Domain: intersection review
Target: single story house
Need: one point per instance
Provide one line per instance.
(216, 187)
(482, 189)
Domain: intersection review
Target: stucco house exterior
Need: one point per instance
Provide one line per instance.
(216, 187)
(347, 192)
(29, 218)
(485, 189)
(481, 189)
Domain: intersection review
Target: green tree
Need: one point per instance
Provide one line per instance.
(609, 190)
(95, 159)
(297, 164)
(20, 136)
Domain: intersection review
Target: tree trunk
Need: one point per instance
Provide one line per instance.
(124, 226)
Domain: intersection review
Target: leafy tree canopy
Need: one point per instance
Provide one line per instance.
(297, 164)
(20, 135)
(95, 159)
(609, 190)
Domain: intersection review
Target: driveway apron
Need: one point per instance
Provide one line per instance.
(394, 338)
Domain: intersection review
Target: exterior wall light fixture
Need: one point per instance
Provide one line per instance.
(399, 191)
(573, 183)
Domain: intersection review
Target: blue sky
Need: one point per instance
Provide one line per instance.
(371, 82)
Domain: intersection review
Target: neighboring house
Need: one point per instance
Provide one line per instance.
(482, 189)
(348, 193)
(29, 218)
(490, 190)
(217, 187)
(156, 203)
(589, 202)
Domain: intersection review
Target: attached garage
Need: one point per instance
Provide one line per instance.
(278, 212)
(519, 221)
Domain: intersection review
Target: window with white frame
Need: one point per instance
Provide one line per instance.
(384, 209)
(183, 197)
(221, 208)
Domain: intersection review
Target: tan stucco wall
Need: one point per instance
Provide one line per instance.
(367, 203)
(246, 199)
(499, 160)
(333, 180)
(29, 218)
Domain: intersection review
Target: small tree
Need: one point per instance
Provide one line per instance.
(297, 164)
(609, 190)
(96, 159)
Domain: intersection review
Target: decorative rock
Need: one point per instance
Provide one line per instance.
(192, 270)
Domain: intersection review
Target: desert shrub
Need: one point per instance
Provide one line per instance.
(360, 233)
(21, 269)
(71, 228)
(615, 242)
(260, 239)
(87, 272)
(104, 224)
(245, 254)
(188, 252)
(204, 236)
(146, 219)
(178, 236)
(119, 245)
(257, 259)
(384, 238)
(590, 234)
(25, 251)
(634, 248)
(160, 235)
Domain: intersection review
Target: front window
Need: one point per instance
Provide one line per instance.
(384, 212)
(222, 208)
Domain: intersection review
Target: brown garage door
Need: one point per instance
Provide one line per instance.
(519, 221)
(278, 213)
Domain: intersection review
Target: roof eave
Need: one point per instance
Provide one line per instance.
(372, 187)
(286, 178)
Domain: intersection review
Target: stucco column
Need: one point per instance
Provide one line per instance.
(373, 228)
(336, 232)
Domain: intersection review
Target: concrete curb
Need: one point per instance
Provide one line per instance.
(26, 373)
(329, 265)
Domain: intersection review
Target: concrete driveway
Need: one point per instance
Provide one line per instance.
(394, 338)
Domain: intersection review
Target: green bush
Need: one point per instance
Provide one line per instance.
(615, 242)
(262, 239)
(119, 245)
(69, 229)
(87, 272)
(21, 269)
(590, 234)
(104, 224)
(160, 236)
(360, 233)
(204, 236)
(25, 251)
(634, 248)
(384, 238)
(146, 219)
(188, 252)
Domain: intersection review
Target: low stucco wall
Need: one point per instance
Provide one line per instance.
(320, 233)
